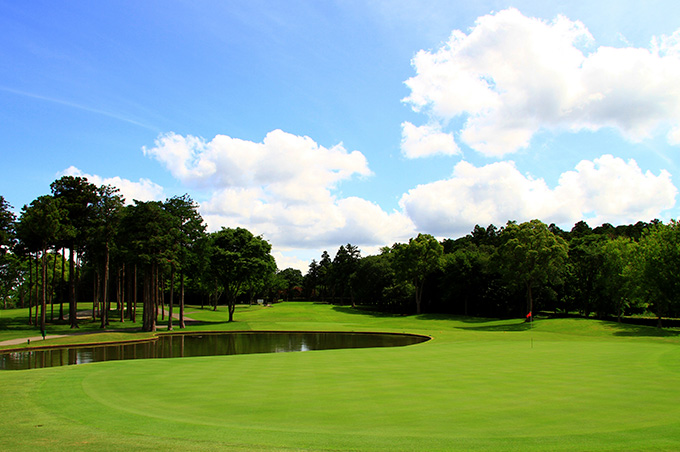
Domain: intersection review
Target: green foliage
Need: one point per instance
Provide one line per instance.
(239, 259)
(531, 256)
(40, 223)
(7, 232)
(343, 267)
(77, 197)
(414, 261)
(289, 282)
(660, 255)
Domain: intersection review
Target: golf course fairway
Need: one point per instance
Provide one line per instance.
(479, 384)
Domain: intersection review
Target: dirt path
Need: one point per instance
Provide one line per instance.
(175, 315)
(31, 339)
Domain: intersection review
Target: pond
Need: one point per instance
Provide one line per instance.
(203, 344)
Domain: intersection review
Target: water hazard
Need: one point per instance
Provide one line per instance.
(203, 344)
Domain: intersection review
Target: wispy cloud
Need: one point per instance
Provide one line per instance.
(77, 106)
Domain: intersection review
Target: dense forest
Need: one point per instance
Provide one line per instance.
(81, 245)
(513, 271)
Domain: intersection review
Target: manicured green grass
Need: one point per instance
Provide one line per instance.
(565, 384)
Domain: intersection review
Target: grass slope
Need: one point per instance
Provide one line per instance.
(566, 384)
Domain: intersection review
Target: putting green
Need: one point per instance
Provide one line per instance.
(482, 385)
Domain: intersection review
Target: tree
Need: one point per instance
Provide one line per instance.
(146, 233)
(530, 256)
(416, 260)
(375, 284)
(105, 221)
(39, 224)
(618, 273)
(7, 230)
(291, 279)
(9, 264)
(324, 274)
(11, 275)
(466, 276)
(238, 259)
(187, 228)
(344, 265)
(77, 196)
(311, 280)
(586, 263)
(660, 272)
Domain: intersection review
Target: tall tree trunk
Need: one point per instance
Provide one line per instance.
(156, 295)
(150, 302)
(96, 303)
(122, 293)
(134, 296)
(181, 301)
(172, 296)
(147, 304)
(61, 286)
(145, 295)
(44, 291)
(54, 285)
(232, 308)
(153, 312)
(30, 288)
(105, 289)
(72, 303)
(38, 288)
(161, 298)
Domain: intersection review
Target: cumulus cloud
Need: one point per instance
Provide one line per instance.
(512, 76)
(607, 189)
(284, 188)
(611, 190)
(336, 221)
(290, 167)
(427, 140)
(143, 190)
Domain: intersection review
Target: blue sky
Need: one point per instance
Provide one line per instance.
(317, 123)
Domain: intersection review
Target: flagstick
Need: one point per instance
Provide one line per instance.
(531, 329)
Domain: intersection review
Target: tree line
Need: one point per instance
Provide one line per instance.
(81, 243)
(87, 246)
(513, 271)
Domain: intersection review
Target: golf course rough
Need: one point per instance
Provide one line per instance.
(566, 384)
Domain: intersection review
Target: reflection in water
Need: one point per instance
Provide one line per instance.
(203, 344)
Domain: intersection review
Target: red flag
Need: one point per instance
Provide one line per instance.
(529, 314)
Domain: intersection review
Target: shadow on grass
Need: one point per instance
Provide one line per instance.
(632, 330)
(509, 327)
(506, 325)
(359, 310)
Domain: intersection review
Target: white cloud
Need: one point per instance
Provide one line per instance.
(284, 261)
(427, 140)
(611, 190)
(512, 76)
(283, 188)
(325, 224)
(286, 166)
(607, 189)
(143, 190)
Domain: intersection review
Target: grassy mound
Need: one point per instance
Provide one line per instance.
(565, 384)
